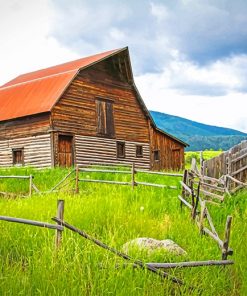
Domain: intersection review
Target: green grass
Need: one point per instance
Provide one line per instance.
(31, 266)
(207, 154)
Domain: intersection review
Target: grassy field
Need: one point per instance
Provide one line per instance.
(114, 214)
(207, 154)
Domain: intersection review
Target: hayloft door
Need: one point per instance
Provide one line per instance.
(65, 151)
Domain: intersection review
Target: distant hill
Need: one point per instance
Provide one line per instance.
(198, 135)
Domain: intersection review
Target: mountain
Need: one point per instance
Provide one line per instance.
(198, 135)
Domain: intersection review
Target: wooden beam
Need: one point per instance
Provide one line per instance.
(186, 187)
(191, 264)
(31, 222)
(185, 202)
(227, 238)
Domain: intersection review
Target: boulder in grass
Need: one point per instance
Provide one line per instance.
(151, 244)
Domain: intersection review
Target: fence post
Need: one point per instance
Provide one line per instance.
(229, 170)
(77, 179)
(227, 238)
(185, 177)
(203, 211)
(194, 209)
(60, 212)
(192, 195)
(133, 175)
(201, 162)
(30, 185)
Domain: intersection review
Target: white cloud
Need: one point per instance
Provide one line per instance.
(26, 43)
(228, 110)
(159, 11)
(190, 56)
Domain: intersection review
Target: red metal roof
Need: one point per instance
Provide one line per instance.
(38, 91)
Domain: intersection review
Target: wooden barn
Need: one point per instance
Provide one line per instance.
(81, 112)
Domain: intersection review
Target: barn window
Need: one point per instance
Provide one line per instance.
(156, 155)
(120, 149)
(139, 151)
(18, 156)
(105, 120)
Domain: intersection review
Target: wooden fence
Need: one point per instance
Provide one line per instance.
(232, 163)
(58, 227)
(191, 198)
(27, 178)
(123, 169)
(152, 267)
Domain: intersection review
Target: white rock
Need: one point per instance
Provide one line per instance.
(152, 244)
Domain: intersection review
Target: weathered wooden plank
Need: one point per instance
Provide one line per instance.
(156, 185)
(213, 236)
(103, 171)
(239, 171)
(105, 181)
(185, 202)
(211, 194)
(159, 173)
(191, 264)
(186, 187)
(31, 222)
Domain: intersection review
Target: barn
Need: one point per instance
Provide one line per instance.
(82, 112)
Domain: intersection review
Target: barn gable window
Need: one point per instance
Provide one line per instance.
(139, 151)
(156, 155)
(105, 119)
(120, 149)
(18, 156)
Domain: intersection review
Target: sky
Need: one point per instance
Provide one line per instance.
(189, 57)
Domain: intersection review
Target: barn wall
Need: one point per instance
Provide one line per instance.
(91, 149)
(76, 110)
(24, 127)
(37, 150)
(171, 152)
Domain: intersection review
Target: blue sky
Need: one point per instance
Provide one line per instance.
(189, 57)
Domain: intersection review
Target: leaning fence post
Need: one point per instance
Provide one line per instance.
(77, 179)
(133, 175)
(194, 209)
(30, 185)
(227, 238)
(201, 162)
(203, 212)
(60, 212)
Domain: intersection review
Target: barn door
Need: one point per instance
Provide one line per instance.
(65, 151)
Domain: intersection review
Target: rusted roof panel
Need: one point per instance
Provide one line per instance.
(33, 97)
(38, 91)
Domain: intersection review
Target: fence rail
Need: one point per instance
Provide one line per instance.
(200, 212)
(58, 227)
(117, 169)
(30, 178)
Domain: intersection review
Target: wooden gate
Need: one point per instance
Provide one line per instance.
(65, 151)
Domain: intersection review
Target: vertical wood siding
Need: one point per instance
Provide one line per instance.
(94, 149)
(171, 152)
(37, 151)
(76, 110)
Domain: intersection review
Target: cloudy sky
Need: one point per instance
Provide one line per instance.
(189, 57)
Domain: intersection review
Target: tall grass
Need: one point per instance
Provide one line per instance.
(114, 214)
